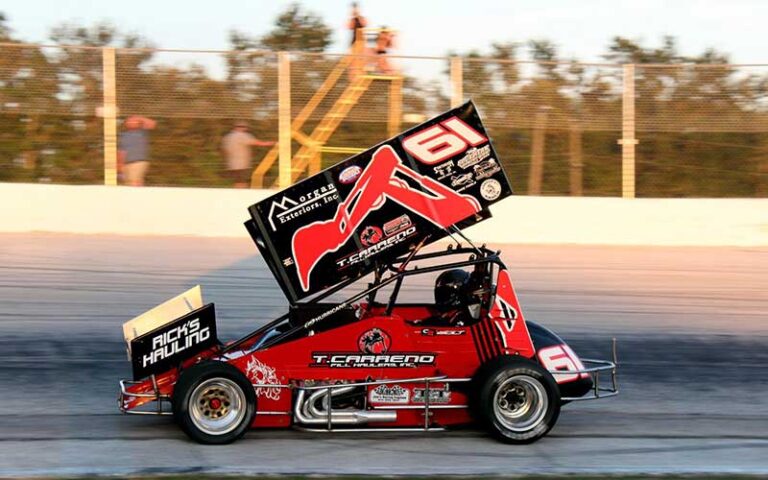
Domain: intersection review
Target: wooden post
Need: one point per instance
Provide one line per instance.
(357, 66)
(457, 82)
(628, 140)
(284, 118)
(31, 155)
(576, 164)
(537, 151)
(109, 113)
(395, 106)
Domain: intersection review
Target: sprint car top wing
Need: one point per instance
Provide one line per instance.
(379, 204)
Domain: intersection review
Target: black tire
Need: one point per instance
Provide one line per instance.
(517, 400)
(214, 403)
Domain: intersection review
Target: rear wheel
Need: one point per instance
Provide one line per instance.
(518, 400)
(214, 403)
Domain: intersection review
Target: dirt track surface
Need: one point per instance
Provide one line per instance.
(692, 326)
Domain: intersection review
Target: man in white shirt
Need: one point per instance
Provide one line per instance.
(236, 146)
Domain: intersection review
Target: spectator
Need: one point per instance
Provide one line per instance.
(357, 25)
(133, 149)
(384, 42)
(236, 146)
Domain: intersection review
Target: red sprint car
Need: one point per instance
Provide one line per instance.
(464, 354)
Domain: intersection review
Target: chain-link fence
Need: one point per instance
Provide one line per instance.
(555, 125)
(703, 130)
(560, 128)
(49, 128)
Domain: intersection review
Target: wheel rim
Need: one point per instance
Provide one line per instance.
(217, 406)
(520, 403)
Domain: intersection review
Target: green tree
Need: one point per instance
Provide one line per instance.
(5, 30)
(297, 29)
(80, 69)
(252, 74)
(694, 117)
(28, 96)
(544, 52)
(624, 50)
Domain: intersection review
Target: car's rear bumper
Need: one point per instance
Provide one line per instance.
(143, 403)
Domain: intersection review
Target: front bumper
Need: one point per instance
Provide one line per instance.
(601, 387)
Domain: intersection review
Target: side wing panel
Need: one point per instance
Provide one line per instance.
(380, 204)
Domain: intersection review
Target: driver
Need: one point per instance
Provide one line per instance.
(455, 300)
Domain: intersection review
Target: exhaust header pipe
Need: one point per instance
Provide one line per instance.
(307, 411)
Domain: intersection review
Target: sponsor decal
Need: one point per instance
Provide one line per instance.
(360, 256)
(442, 141)
(505, 322)
(435, 395)
(326, 314)
(175, 340)
(486, 169)
(287, 262)
(474, 156)
(442, 332)
(490, 189)
(444, 170)
(562, 358)
(397, 225)
(357, 360)
(509, 321)
(163, 348)
(506, 328)
(389, 394)
(373, 346)
(506, 311)
(262, 374)
(350, 174)
(383, 179)
(288, 209)
(375, 341)
(463, 180)
(371, 235)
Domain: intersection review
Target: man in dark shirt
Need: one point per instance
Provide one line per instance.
(356, 25)
(133, 149)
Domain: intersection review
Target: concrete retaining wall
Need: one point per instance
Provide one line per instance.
(541, 220)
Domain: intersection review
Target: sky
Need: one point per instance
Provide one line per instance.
(581, 29)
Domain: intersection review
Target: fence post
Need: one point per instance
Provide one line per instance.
(395, 106)
(538, 141)
(628, 140)
(109, 113)
(284, 118)
(575, 159)
(457, 81)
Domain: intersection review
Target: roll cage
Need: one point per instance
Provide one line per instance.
(398, 271)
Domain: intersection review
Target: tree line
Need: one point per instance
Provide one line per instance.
(701, 123)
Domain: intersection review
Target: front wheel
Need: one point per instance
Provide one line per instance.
(213, 403)
(519, 401)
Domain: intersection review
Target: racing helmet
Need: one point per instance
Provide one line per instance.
(450, 288)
